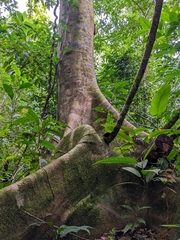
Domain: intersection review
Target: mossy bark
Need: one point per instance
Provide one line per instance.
(72, 190)
(54, 192)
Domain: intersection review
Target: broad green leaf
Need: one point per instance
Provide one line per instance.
(142, 32)
(8, 89)
(139, 130)
(133, 171)
(156, 133)
(99, 120)
(50, 224)
(121, 135)
(142, 164)
(150, 176)
(16, 70)
(21, 120)
(32, 115)
(141, 220)
(145, 23)
(47, 144)
(161, 46)
(128, 227)
(173, 16)
(54, 132)
(145, 172)
(29, 25)
(19, 15)
(127, 207)
(25, 85)
(171, 29)
(128, 129)
(160, 101)
(64, 230)
(119, 160)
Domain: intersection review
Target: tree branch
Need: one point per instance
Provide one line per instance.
(109, 137)
(172, 121)
(143, 13)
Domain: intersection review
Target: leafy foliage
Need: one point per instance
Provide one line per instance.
(134, 221)
(63, 230)
(25, 137)
(119, 160)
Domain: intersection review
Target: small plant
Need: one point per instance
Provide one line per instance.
(112, 234)
(134, 220)
(63, 230)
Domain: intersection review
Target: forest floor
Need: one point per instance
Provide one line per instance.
(142, 234)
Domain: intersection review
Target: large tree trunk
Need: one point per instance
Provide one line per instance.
(78, 92)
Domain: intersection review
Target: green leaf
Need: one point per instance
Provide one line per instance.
(100, 109)
(29, 25)
(32, 115)
(159, 132)
(160, 100)
(145, 23)
(63, 230)
(127, 227)
(142, 32)
(171, 225)
(50, 224)
(47, 144)
(144, 207)
(54, 132)
(122, 135)
(21, 120)
(119, 160)
(25, 85)
(8, 89)
(173, 16)
(161, 46)
(127, 207)
(150, 176)
(145, 172)
(37, 223)
(133, 171)
(141, 220)
(139, 130)
(16, 70)
(11, 157)
(19, 15)
(142, 164)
